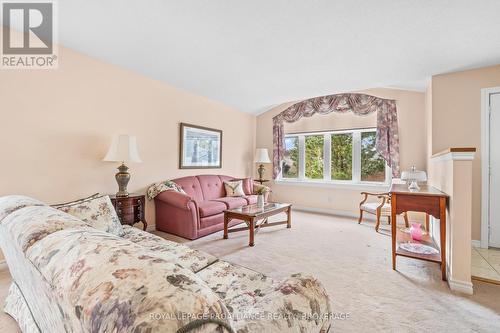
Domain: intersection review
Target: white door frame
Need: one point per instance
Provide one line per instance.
(485, 163)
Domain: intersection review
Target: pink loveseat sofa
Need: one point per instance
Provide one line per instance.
(200, 211)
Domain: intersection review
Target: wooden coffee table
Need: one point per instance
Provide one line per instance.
(256, 217)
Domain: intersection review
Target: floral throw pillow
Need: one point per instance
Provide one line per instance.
(98, 212)
(234, 188)
(167, 185)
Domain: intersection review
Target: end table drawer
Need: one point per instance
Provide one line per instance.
(125, 210)
(131, 209)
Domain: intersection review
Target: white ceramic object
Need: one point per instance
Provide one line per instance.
(260, 200)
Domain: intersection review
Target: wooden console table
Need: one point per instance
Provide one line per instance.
(428, 200)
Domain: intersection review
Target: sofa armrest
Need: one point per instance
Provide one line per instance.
(176, 199)
(307, 300)
(207, 325)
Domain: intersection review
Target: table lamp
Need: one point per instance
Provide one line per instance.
(123, 149)
(413, 177)
(261, 156)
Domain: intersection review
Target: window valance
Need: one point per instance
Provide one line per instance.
(387, 143)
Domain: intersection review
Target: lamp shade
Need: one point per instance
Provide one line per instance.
(261, 156)
(123, 149)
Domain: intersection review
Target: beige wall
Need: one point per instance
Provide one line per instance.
(454, 177)
(412, 130)
(428, 123)
(456, 121)
(56, 127)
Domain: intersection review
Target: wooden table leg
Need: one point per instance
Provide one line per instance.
(393, 229)
(251, 226)
(442, 236)
(226, 223)
(289, 218)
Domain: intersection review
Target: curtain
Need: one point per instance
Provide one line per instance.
(387, 142)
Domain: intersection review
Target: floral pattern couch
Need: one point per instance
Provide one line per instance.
(70, 277)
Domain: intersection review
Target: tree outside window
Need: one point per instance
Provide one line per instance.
(290, 163)
(314, 156)
(372, 165)
(341, 156)
(347, 156)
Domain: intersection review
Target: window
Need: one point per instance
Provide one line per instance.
(314, 156)
(290, 163)
(341, 156)
(344, 157)
(372, 165)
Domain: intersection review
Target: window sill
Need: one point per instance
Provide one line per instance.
(367, 186)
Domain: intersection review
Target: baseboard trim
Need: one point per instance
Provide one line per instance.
(333, 212)
(485, 280)
(464, 287)
(461, 286)
(3, 265)
(476, 243)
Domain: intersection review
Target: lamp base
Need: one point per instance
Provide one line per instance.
(261, 171)
(122, 178)
(414, 186)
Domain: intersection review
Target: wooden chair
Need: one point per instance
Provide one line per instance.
(379, 209)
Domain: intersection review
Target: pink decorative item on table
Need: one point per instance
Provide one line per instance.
(416, 231)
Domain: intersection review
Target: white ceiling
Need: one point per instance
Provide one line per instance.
(255, 54)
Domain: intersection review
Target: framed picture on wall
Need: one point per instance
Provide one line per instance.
(200, 147)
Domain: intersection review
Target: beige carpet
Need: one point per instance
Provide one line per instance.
(353, 262)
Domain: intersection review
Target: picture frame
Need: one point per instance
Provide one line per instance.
(200, 147)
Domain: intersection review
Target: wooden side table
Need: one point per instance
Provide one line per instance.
(131, 209)
(428, 200)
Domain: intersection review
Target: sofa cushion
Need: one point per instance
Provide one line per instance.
(248, 185)
(301, 301)
(372, 208)
(228, 279)
(214, 220)
(210, 207)
(107, 283)
(29, 225)
(232, 202)
(212, 186)
(98, 212)
(191, 186)
(251, 199)
(171, 251)
(11, 203)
